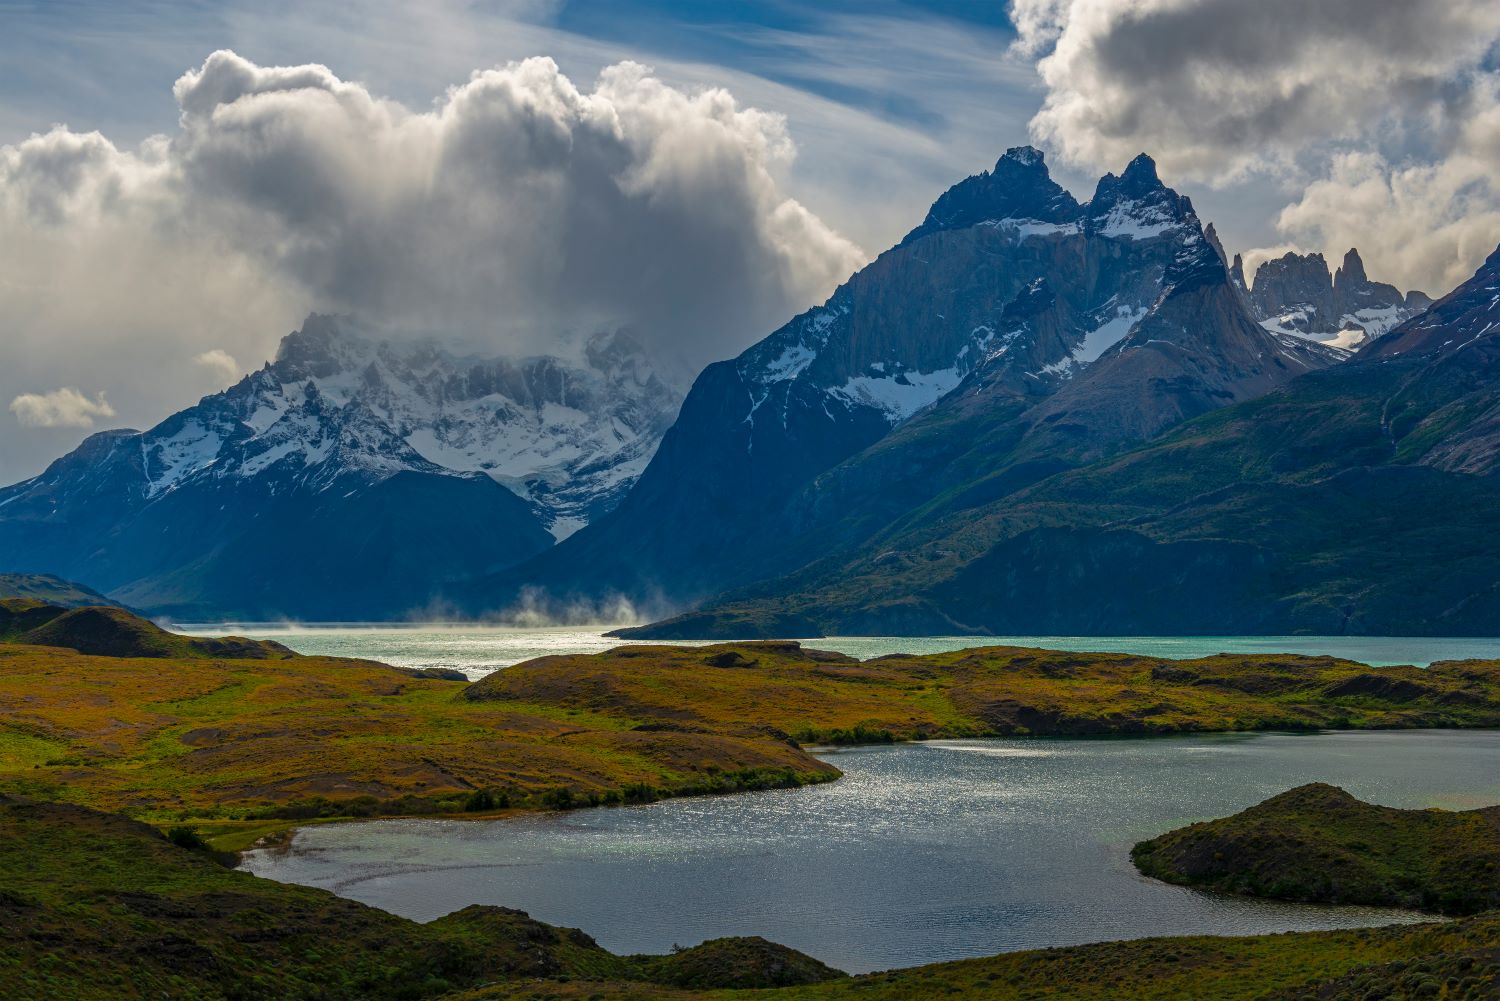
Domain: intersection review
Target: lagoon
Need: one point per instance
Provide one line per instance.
(923, 852)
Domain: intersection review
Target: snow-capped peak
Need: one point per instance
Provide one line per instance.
(570, 437)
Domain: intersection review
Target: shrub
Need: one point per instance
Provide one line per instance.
(560, 798)
(186, 837)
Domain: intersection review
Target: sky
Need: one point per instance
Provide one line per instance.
(181, 182)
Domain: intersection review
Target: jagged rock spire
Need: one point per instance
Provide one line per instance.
(1018, 188)
(1352, 272)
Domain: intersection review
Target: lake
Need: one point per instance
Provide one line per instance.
(478, 650)
(922, 853)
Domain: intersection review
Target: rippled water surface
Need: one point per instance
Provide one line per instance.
(923, 852)
(479, 650)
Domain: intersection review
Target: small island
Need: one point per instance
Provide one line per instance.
(1318, 844)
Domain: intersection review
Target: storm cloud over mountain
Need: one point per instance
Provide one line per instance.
(518, 210)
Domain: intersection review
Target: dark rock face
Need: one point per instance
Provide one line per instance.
(1236, 266)
(1014, 333)
(1294, 279)
(1018, 188)
(1355, 499)
(1460, 321)
(1295, 294)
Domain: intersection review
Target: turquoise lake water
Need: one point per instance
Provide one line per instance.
(480, 650)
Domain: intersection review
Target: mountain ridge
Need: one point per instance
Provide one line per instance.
(1009, 293)
(1353, 499)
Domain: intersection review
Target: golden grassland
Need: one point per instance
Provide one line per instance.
(239, 744)
(821, 697)
(163, 739)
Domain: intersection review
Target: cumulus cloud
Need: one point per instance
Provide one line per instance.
(220, 364)
(517, 206)
(517, 210)
(61, 408)
(1379, 114)
(1215, 88)
(1038, 24)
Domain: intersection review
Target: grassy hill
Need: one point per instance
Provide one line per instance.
(51, 590)
(277, 737)
(1318, 843)
(112, 631)
(821, 697)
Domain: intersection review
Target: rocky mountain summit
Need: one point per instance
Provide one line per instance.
(1296, 294)
(455, 464)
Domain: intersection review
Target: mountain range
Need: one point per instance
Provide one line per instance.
(1032, 415)
(1360, 498)
(1295, 293)
(350, 478)
(1013, 334)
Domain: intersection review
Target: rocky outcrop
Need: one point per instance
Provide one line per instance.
(1295, 294)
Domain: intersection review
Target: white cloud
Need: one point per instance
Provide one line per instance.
(1431, 223)
(1038, 24)
(517, 210)
(220, 364)
(1377, 116)
(1216, 88)
(61, 408)
(520, 205)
